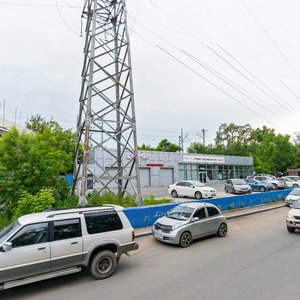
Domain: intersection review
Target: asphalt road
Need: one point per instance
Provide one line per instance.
(258, 259)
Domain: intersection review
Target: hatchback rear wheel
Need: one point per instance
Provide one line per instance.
(222, 230)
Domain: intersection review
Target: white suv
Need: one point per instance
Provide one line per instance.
(55, 243)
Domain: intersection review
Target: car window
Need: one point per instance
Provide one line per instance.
(188, 184)
(200, 213)
(180, 183)
(102, 222)
(66, 229)
(7, 231)
(212, 211)
(30, 235)
(228, 181)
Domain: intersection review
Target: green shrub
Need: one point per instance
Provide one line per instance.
(34, 203)
(127, 201)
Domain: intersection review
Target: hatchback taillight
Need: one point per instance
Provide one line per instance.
(133, 235)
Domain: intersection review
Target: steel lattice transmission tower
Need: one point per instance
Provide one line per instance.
(106, 118)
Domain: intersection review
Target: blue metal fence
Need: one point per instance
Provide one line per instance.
(146, 215)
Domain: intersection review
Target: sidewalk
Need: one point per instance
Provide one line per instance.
(229, 214)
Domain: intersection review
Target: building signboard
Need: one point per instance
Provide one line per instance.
(204, 159)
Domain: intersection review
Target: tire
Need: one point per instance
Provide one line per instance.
(222, 230)
(290, 229)
(103, 264)
(276, 186)
(262, 189)
(295, 186)
(185, 240)
(233, 191)
(174, 194)
(226, 191)
(198, 195)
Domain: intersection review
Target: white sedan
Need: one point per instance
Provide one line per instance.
(191, 188)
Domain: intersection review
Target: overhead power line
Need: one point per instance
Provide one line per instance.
(216, 86)
(260, 25)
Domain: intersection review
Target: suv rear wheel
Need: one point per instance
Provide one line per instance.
(103, 264)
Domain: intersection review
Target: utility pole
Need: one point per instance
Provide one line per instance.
(106, 119)
(182, 139)
(202, 135)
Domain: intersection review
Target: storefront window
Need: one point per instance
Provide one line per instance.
(213, 172)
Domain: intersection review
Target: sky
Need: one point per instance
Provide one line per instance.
(196, 64)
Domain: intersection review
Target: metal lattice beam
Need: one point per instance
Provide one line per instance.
(107, 114)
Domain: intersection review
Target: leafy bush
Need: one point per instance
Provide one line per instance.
(34, 203)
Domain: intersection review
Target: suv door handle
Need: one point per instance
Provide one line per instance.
(74, 243)
(42, 248)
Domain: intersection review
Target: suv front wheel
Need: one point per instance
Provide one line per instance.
(103, 264)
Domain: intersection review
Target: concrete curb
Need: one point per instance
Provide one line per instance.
(235, 216)
(254, 212)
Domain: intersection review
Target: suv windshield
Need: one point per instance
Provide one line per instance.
(8, 230)
(180, 213)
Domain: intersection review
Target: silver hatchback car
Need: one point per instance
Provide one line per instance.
(189, 221)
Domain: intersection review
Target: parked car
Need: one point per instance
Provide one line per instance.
(191, 188)
(237, 186)
(293, 177)
(289, 183)
(270, 179)
(55, 243)
(260, 186)
(189, 221)
(292, 181)
(293, 217)
(293, 196)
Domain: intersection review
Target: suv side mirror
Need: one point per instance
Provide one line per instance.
(7, 246)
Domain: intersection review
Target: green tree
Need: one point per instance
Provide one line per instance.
(271, 152)
(165, 145)
(32, 161)
(146, 147)
(233, 134)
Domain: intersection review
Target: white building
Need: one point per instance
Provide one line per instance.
(164, 168)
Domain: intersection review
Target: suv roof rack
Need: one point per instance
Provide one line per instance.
(79, 211)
